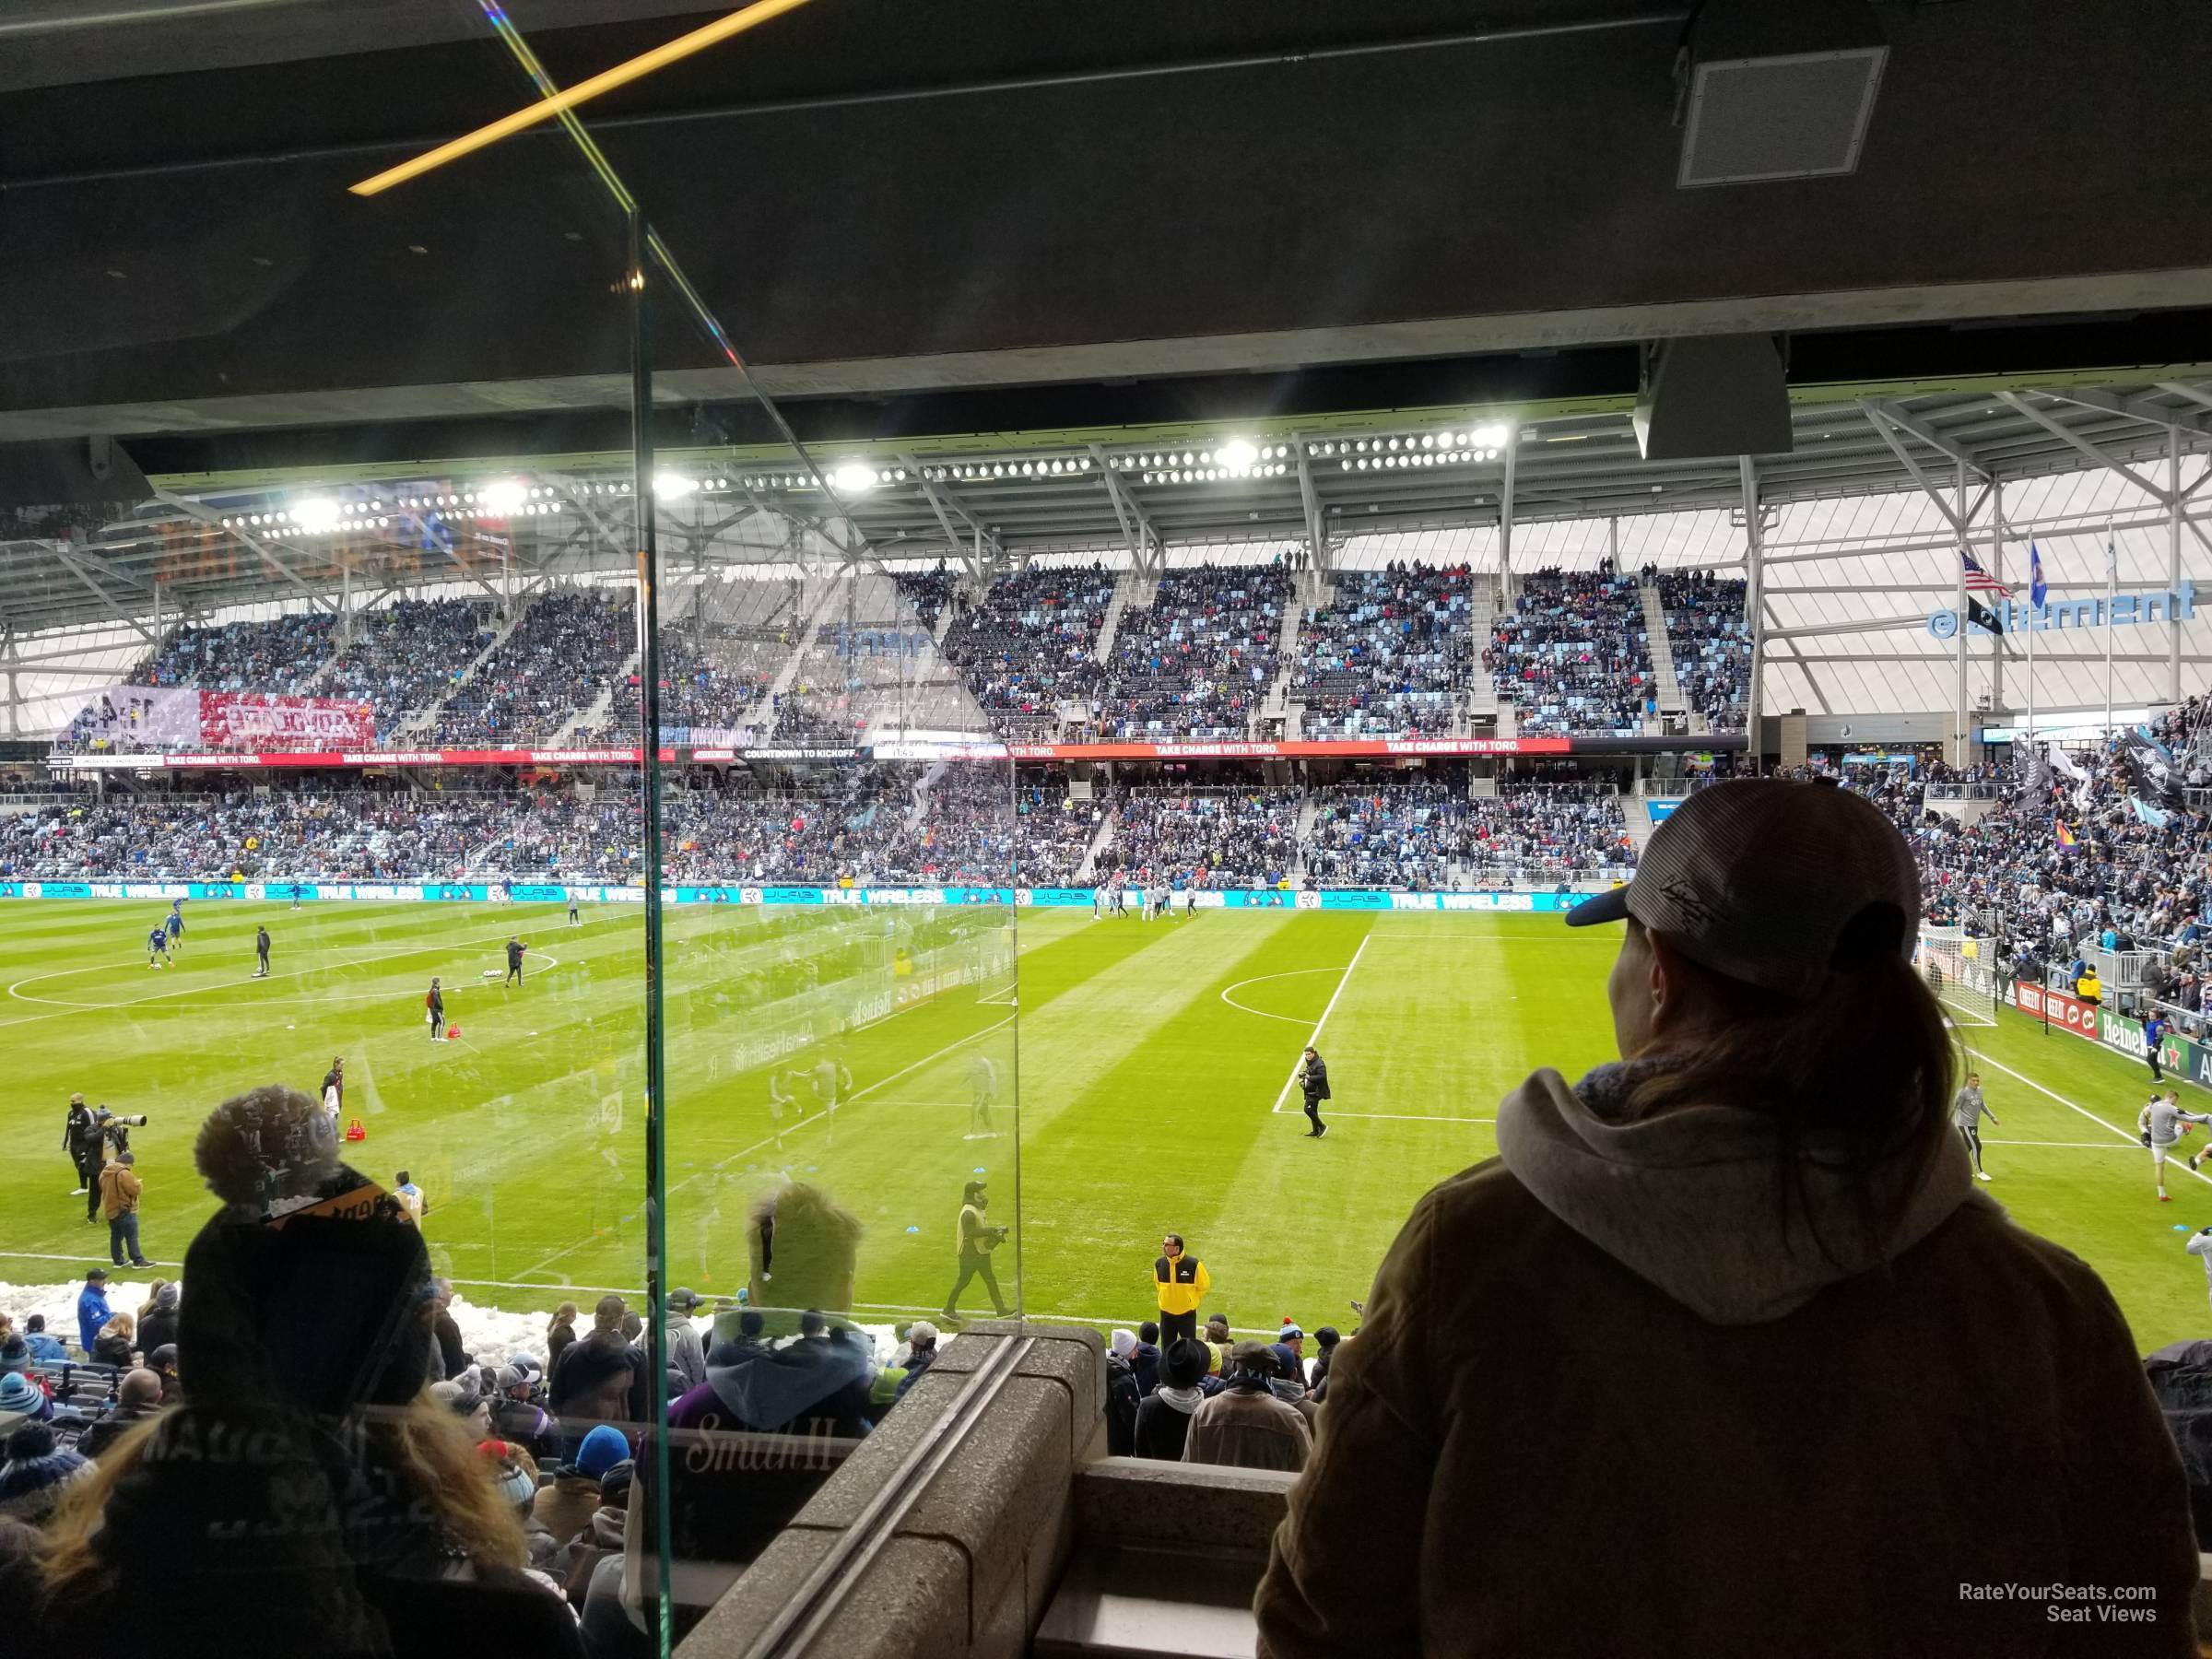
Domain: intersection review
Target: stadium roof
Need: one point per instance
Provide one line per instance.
(299, 535)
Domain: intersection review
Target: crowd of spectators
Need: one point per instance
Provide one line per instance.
(2131, 872)
(1030, 643)
(1392, 654)
(1434, 836)
(929, 592)
(370, 835)
(406, 658)
(1198, 661)
(1574, 654)
(1711, 640)
(705, 686)
(278, 656)
(567, 650)
(1185, 838)
(1389, 654)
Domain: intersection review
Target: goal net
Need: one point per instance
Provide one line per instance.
(1953, 960)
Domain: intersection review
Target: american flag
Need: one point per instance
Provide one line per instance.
(1978, 581)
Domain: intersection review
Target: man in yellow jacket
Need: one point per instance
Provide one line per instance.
(1182, 1281)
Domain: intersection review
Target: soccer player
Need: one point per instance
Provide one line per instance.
(982, 1086)
(2159, 1124)
(175, 925)
(1966, 1112)
(410, 1199)
(831, 1080)
(2200, 1246)
(1313, 1084)
(2154, 1033)
(574, 919)
(435, 1003)
(295, 895)
(1189, 902)
(515, 961)
(1098, 902)
(261, 952)
(778, 1098)
(157, 946)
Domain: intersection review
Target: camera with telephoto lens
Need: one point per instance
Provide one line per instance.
(115, 1127)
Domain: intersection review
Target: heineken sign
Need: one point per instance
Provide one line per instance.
(2121, 611)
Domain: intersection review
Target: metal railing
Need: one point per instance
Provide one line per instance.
(1963, 792)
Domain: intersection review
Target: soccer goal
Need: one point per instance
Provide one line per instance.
(1959, 969)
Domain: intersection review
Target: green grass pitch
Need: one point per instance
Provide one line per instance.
(1148, 1060)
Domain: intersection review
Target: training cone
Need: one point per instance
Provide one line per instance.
(452, 1032)
(354, 1132)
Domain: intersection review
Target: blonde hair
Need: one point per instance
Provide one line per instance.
(564, 1315)
(423, 1441)
(121, 1326)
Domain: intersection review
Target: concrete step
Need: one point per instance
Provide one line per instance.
(1639, 816)
(1662, 652)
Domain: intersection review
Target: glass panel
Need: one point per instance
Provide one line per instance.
(291, 905)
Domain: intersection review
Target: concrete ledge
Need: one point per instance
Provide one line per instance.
(1138, 1500)
(970, 1563)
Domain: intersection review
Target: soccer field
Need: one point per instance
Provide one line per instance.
(1152, 1060)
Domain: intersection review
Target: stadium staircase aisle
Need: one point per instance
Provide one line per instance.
(1086, 870)
(1663, 654)
(1130, 589)
(426, 717)
(789, 670)
(1308, 592)
(1482, 690)
(1639, 816)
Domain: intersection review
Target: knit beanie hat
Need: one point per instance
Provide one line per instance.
(19, 1394)
(36, 1467)
(1124, 1343)
(309, 1287)
(602, 1448)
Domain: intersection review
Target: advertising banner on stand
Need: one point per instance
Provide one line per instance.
(255, 720)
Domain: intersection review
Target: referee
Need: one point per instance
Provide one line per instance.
(1182, 1281)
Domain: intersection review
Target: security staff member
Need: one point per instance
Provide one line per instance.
(261, 952)
(1182, 1282)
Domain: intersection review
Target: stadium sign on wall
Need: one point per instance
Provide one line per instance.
(2121, 610)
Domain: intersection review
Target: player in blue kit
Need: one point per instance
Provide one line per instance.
(157, 946)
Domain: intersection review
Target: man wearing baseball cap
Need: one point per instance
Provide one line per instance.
(1742, 1279)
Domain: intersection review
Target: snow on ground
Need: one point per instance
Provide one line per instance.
(491, 1335)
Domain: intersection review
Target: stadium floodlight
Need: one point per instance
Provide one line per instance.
(315, 514)
(671, 485)
(854, 478)
(505, 496)
(1238, 455)
(1490, 436)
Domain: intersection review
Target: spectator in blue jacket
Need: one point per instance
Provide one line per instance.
(92, 1310)
(44, 1349)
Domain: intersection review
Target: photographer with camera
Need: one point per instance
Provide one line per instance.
(976, 1239)
(93, 1135)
